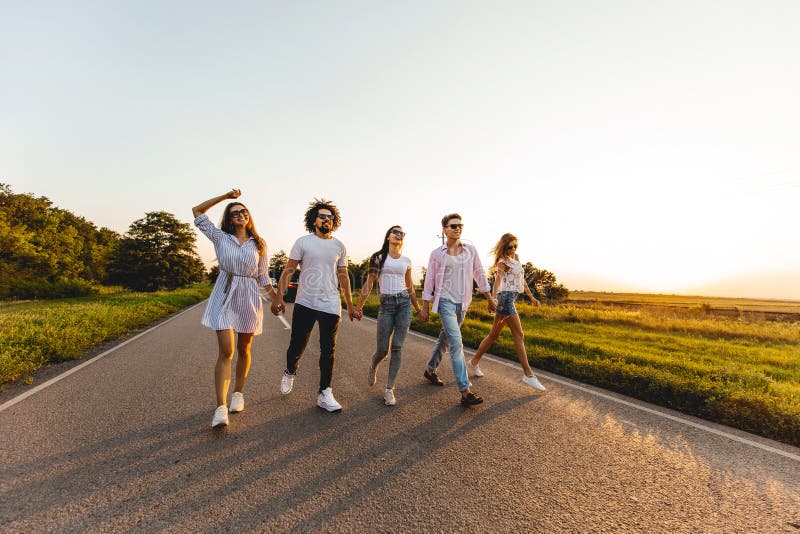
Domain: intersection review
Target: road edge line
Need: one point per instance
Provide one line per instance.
(550, 376)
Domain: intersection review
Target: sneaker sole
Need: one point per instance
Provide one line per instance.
(219, 425)
(327, 410)
(235, 411)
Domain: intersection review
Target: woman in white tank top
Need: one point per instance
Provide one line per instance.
(392, 270)
(508, 284)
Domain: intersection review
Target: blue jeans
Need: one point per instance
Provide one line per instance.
(451, 315)
(394, 318)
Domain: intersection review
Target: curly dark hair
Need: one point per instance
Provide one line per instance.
(321, 204)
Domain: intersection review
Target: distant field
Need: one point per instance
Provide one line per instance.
(683, 301)
(743, 371)
(35, 333)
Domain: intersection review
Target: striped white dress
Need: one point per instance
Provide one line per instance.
(235, 301)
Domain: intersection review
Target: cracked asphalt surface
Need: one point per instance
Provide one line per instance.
(125, 444)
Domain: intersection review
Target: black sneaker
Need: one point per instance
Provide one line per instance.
(433, 377)
(471, 399)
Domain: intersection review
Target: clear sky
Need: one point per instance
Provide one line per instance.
(631, 145)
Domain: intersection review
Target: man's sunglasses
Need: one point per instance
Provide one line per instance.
(456, 226)
(399, 233)
(239, 213)
(324, 216)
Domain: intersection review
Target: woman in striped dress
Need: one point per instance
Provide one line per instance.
(234, 306)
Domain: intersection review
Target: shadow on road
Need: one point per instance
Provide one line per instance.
(164, 475)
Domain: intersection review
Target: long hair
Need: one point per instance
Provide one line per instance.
(321, 204)
(499, 250)
(377, 260)
(226, 225)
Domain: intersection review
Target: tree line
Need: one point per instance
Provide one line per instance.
(49, 252)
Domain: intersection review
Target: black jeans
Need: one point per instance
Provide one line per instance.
(303, 320)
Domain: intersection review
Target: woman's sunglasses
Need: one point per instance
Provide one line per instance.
(399, 233)
(239, 213)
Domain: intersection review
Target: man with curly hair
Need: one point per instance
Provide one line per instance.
(323, 272)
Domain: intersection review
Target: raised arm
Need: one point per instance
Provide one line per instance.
(205, 206)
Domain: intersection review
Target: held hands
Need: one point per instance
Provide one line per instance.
(353, 312)
(277, 307)
(423, 315)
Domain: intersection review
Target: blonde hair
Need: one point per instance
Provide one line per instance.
(499, 250)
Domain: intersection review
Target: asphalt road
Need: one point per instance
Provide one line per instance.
(124, 444)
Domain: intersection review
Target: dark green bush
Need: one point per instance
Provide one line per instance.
(42, 289)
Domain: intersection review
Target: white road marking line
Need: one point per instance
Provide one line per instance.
(611, 398)
(285, 322)
(65, 374)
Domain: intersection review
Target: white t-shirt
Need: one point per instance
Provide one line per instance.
(513, 278)
(453, 286)
(393, 275)
(319, 258)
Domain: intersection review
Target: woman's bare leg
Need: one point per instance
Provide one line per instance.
(491, 337)
(515, 326)
(242, 359)
(222, 371)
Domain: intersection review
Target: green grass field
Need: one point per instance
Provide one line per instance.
(741, 371)
(35, 333)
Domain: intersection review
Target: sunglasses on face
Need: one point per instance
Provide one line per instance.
(324, 216)
(239, 213)
(399, 233)
(511, 247)
(458, 226)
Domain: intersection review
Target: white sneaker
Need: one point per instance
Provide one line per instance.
(220, 416)
(286, 383)
(373, 375)
(474, 369)
(237, 402)
(533, 382)
(388, 398)
(326, 401)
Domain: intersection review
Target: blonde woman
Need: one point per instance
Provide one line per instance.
(509, 282)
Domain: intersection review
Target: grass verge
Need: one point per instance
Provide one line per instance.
(35, 333)
(740, 372)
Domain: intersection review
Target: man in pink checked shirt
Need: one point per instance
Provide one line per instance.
(448, 284)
